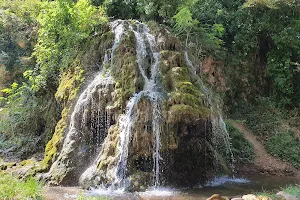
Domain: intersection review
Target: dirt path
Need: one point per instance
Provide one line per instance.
(263, 160)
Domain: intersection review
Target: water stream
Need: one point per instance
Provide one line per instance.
(225, 186)
(145, 49)
(219, 129)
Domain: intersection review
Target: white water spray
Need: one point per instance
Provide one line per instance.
(218, 124)
(144, 47)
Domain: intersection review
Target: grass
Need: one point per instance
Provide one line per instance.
(293, 190)
(13, 188)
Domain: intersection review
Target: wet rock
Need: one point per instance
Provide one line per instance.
(285, 196)
(218, 197)
(140, 181)
(88, 178)
(249, 197)
(237, 198)
(171, 115)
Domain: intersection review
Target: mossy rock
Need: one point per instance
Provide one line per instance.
(69, 87)
(70, 83)
(7, 165)
(125, 70)
(185, 101)
(54, 144)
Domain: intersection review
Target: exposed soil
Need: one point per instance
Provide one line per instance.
(264, 162)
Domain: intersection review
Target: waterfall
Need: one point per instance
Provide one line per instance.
(218, 125)
(144, 47)
(98, 109)
(89, 121)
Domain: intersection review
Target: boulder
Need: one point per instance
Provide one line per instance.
(217, 197)
(249, 197)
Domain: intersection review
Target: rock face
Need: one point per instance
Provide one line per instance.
(146, 119)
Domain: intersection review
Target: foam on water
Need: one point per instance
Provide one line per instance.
(218, 181)
(159, 192)
(105, 192)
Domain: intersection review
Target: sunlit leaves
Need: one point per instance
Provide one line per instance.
(63, 26)
(184, 20)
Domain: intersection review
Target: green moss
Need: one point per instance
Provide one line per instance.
(95, 49)
(181, 113)
(52, 146)
(28, 162)
(70, 83)
(125, 70)
(185, 103)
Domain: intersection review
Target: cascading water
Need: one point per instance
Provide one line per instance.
(89, 122)
(162, 119)
(218, 124)
(151, 91)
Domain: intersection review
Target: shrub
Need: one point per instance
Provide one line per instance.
(285, 146)
(261, 117)
(242, 150)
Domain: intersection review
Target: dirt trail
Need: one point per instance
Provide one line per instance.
(263, 160)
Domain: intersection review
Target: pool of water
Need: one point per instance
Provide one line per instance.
(226, 186)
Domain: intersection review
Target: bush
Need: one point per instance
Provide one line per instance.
(242, 150)
(285, 146)
(262, 117)
(13, 188)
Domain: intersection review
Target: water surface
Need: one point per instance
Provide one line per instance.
(226, 186)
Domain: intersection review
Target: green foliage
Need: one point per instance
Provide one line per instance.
(285, 146)
(268, 3)
(26, 119)
(184, 21)
(17, 35)
(120, 9)
(64, 25)
(283, 62)
(202, 38)
(263, 118)
(266, 41)
(242, 150)
(13, 188)
(272, 125)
